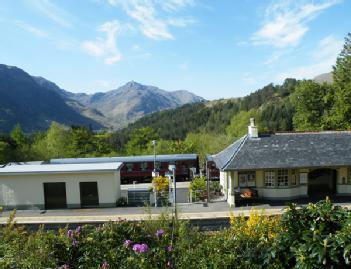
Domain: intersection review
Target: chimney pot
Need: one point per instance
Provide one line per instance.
(252, 129)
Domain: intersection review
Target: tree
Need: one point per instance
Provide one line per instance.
(140, 142)
(312, 105)
(82, 141)
(240, 122)
(22, 151)
(55, 143)
(342, 80)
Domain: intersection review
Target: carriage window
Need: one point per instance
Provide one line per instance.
(247, 179)
(269, 179)
(129, 167)
(283, 177)
(349, 176)
(143, 166)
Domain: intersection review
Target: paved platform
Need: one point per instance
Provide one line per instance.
(214, 210)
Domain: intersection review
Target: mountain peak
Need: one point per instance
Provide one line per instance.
(132, 84)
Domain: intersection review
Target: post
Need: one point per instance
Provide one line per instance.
(208, 182)
(175, 188)
(154, 143)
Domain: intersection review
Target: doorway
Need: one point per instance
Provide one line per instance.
(89, 196)
(322, 182)
(55, 195)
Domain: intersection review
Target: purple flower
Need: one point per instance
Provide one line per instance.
(127, 243)
(105, 265)
(78, 229)
(140, 248)
(65, 266)
(169, 248)
(159, 232)
(74, 242)
(169, 264)
(69, 233)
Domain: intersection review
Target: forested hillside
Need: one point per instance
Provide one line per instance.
(202, 128)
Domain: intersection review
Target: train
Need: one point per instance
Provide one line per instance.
(138, 169)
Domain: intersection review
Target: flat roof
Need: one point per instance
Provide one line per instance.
(127, 159)
(59, 168)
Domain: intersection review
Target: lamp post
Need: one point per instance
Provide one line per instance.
(154, 173)
(172, 167)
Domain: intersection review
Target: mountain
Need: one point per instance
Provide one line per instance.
(23, 100)
(134, 100)
(326, 77)
(35, 102)
(69, 99)
(270, 105)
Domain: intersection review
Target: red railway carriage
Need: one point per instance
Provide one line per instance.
(140, 168)
(212, 169)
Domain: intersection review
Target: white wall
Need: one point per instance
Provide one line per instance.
(283, 193)
(27, 190)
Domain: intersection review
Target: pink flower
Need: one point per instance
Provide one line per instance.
(127, 243)
(105, 265)
(70, 234)
(159, 232)
(140, 248)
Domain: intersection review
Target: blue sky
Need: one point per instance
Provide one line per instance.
(216, 49)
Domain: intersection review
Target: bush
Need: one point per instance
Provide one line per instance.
(198, 189)
(315, 236)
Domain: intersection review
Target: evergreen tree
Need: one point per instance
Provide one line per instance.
(342, 80)
(312, 105)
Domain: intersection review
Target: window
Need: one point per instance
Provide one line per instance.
(294, 174)
(247, 179)
(129, 167)
(282, 178)
(269, 179)
(143, 166)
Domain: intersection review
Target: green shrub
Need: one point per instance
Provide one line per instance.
(198, 189)
(315, 236)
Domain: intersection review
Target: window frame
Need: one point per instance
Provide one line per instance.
(282, 179)
(249, 179)
(271, 179)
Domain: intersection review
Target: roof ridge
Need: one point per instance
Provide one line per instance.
(312, 132)
(235, 153)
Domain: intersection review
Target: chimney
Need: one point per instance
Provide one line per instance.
(252, 129)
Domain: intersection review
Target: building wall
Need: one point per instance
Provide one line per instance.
(27, 191)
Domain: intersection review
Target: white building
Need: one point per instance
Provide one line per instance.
(287, 166)
(50, 186)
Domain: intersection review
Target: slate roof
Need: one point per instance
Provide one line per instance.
(222, 158)
(58, 168)
(128, 159)
(287, 150)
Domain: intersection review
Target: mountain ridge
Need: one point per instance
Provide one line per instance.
(113, 109)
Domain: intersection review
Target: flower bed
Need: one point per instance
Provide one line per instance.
(316, 236)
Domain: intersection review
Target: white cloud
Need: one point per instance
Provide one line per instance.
(105, 48)
(184, 66)
(175, 5)
(323, 58)
(147, 14)
(52, 12)
(286, 21)
(31, 29)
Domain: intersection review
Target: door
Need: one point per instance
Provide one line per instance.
(55, 195)
(89, 196)
(322, 182)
